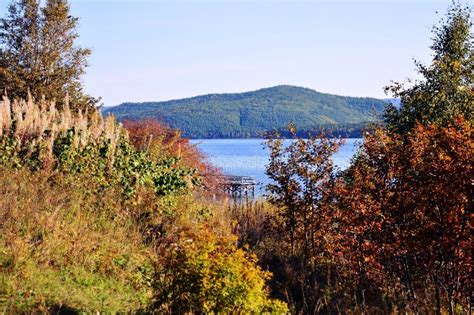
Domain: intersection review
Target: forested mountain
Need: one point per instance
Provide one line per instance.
(252, 113)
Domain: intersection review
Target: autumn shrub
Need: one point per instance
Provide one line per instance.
(207, 273)
(200, 267)
(163, 142)
(393, 233)
(291, 230)
(405, 213)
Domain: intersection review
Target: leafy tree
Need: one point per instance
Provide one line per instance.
(303, 175)
(393, 233)
(300, 170)
(38, 54)
(447, 86)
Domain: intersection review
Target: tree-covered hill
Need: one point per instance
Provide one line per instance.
(252, 113)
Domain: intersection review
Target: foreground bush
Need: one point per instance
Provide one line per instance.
(89, 223)
(207, 273)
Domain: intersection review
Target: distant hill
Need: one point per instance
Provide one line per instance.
(250, 114)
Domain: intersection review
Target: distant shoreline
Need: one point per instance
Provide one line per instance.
(262, 138)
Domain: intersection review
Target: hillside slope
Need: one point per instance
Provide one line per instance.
(250, 114)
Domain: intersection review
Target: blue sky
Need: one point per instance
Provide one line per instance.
(160, 50)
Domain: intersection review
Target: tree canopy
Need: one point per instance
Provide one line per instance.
(38, 54)
(447, 87)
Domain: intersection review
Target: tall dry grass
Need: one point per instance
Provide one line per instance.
(63, 248)
(30, 124)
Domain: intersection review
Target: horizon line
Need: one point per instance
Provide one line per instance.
(243, 92)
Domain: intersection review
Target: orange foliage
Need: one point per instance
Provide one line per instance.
(406, 216)
(393, 233)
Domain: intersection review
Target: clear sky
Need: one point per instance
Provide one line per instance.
(160, 50)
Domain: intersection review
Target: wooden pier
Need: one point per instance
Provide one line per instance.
(239, 186)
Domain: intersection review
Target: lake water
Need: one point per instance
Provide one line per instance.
(249, 157)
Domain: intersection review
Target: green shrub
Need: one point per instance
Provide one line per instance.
(37, 136)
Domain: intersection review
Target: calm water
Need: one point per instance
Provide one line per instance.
(249, 157)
